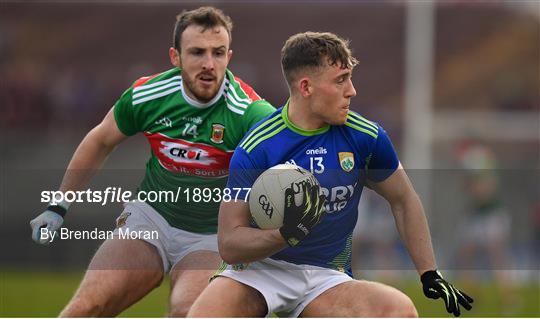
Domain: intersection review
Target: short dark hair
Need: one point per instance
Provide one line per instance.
(206, 17)
(314, 50)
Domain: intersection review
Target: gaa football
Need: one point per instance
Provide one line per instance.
(267, 197)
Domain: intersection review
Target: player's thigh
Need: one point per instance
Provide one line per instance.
(121, 272)
(359, 298)
(188, 279)
(225, 297)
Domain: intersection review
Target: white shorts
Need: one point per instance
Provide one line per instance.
(287, 288)
(172, 243)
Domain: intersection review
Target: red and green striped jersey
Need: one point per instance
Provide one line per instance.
(191, 142)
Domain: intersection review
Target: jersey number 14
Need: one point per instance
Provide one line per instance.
(190, 129)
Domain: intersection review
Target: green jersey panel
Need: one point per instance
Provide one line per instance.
(191, 143)
(124, 115)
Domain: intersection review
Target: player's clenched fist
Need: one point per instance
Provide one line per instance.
(299, 220)
(45, 226)
(436, 287)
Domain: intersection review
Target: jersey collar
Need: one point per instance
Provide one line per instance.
(298, 130)
(200, 105)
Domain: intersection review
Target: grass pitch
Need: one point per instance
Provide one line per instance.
(43, 294)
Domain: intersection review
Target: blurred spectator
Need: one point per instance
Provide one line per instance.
(486, 227)
(484, 240)
(25, 102)
(75, 96)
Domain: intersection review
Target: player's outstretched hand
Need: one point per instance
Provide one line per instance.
(299, 220)
(48, 220)
(436, 287)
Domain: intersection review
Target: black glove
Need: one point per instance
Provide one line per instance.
(298, 221)
(436, 287)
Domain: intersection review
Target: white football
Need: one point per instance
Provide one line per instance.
(267, 196)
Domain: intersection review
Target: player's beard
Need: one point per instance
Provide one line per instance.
(200, 93)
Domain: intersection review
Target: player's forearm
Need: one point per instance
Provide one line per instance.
(87, 159)
(414, 231)
(246, 244)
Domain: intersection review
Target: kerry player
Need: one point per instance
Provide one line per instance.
(193, 116)
(304, 267)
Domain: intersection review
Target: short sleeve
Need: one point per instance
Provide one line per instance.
(257, 111)
(242, 174)
(123, 114)
(383, 160)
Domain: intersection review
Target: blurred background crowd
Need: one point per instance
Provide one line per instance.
(63, 65)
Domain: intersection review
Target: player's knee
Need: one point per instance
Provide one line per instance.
(201, 309)
(408, 309)
(178, 312)
(83, 307)
(179, 309)
(400, 305)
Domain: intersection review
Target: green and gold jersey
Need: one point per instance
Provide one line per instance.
(191, 143)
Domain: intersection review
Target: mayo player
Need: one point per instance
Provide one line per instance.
(193, 116)
(304, 267)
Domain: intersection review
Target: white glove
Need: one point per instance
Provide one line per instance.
(48, 220)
